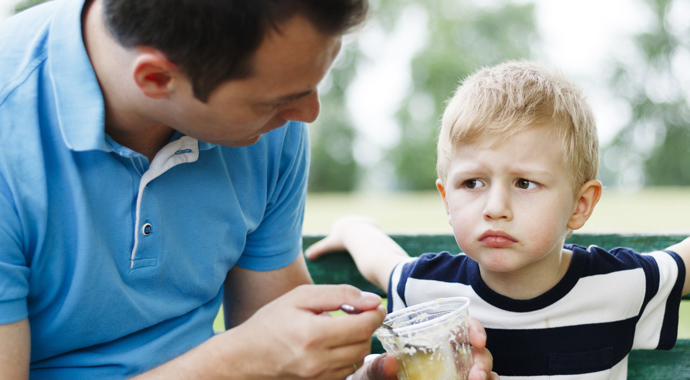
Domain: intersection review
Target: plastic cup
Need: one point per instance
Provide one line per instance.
(430, 340)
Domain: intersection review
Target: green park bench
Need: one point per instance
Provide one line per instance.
(338, 268)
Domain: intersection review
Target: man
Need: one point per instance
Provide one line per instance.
(153, 163)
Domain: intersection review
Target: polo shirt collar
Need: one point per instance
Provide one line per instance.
(79, 101)
(78, 97)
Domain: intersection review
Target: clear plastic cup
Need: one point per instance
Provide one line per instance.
(430, 340)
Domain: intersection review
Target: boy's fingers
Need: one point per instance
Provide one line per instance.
(477, 334)
(383, 367)
(322, 247)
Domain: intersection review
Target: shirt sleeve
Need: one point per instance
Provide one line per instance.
(397, 283)
(277, 241)
(657, 327)
(14, 272)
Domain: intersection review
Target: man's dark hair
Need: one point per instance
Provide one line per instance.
(213, 41)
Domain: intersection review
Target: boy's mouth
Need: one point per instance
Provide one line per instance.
(497, 239)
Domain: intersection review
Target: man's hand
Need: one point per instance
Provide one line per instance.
(385, 366)
(293, 338)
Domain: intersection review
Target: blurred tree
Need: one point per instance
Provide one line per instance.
(24, 4)
(464, 36)
(333, 167)
(461, 36)
(653, 78)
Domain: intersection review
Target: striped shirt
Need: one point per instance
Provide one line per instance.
(608, 303)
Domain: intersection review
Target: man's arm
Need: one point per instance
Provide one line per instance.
(15, 350)
(290, 338)
(683, 250)
(246, 291)
(273, 335)
(374, 252)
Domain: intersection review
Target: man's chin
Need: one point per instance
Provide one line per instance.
(240, 143)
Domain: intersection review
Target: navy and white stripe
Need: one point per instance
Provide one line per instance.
(607, 304)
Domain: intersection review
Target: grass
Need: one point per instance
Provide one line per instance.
(655, 210)
(651, 210)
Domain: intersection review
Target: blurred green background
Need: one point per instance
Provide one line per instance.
(382, 100)
(373, 147)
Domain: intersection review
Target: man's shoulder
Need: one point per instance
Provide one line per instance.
(23, 42)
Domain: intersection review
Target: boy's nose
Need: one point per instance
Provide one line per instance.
(498, 204)
(305, 109)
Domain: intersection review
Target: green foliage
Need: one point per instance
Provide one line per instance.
(463, 38)
(333, 167)
(26, 4)
(651, 149)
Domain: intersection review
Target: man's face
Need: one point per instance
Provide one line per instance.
(288, 66)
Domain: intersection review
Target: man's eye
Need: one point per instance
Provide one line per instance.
(525, 184)
(272, 105)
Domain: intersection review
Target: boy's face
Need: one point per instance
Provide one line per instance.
(510, 203)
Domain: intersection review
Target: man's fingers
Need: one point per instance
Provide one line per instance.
(322, 298)
(353, 328)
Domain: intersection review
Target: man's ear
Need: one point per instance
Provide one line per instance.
(153, 73)
(442, 191)
(587, 198)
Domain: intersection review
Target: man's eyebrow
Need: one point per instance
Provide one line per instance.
(291, 97)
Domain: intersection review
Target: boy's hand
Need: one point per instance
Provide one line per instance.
(482, 359)
(337, 238)
(374, 252)
(385, 366)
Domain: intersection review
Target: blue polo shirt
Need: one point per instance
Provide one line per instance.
(119, 262)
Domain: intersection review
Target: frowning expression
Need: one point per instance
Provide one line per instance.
(509, 202)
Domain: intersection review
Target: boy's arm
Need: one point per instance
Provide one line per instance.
(683, 250)
(374, 252)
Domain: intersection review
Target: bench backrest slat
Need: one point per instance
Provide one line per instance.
(339, 268)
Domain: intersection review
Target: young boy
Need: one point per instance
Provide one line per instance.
(517, 168)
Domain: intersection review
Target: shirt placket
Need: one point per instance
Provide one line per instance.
(183, 150)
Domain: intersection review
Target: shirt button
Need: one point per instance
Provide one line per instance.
(146, 229)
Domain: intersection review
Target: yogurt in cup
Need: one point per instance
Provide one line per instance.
(430, 340)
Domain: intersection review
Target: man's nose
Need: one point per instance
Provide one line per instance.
(305, 109)
(498, 203)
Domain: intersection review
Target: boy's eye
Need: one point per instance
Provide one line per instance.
(473, 184)
(525, 184)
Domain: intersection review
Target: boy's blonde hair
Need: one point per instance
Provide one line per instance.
(500, 101)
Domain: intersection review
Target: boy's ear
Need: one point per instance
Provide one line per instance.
(442, 191)
(153, 73)
(587, 198)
